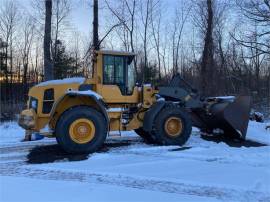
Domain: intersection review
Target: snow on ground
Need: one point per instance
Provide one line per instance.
(257, 132)
(126, 169)
(10, 132)
(78, 191)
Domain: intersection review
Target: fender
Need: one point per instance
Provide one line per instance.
(91, 97)
(151, 114)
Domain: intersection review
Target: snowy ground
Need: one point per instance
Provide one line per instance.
(126, 169)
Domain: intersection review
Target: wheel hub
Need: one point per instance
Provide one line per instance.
(82, 131)
(173, 126)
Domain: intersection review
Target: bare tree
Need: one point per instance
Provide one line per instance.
(60, 12)
(96, 42)
(165, 53)
(255, 39)
(156, 29)
(126, 16)
(27, 40)
(258, 12)
(181, 16)
(204, 20)
(145, 15)
(48, 64)
(8, 20)
(76, 51)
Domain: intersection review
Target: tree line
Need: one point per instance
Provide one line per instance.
(221, 47)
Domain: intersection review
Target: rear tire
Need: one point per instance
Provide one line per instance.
(91, 127)
(145, 136)
(172, 126)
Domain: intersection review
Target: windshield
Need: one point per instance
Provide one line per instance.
(131, 76)
(119, 70)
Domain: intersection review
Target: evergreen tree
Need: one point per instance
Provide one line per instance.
(63, 63)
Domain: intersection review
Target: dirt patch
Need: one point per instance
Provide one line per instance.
(52, 153)
(232, 142)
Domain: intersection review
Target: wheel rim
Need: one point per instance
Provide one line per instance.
(173, 126)
(82, 131)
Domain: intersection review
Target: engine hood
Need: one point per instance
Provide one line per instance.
(59, 86)
(79, 80)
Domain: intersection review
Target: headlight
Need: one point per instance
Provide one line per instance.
(33, 103)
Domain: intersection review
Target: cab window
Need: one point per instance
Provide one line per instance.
(131, 76)
(119, 70)
(115, 71)
(108, 70)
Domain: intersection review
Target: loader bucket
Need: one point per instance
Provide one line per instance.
(237, 115)
(231, 116)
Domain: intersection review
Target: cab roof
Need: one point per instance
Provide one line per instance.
(112, 52)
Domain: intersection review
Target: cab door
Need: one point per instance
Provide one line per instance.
(114, 72)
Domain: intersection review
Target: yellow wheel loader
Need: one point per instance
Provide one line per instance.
(80, 112)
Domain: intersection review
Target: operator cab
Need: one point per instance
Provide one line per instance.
(118, 69)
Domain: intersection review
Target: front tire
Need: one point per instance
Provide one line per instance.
(145, 136)
(172, 126)
(81, 129)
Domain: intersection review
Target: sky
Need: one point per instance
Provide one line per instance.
(80, 17)
(81, 13)
(80, 22)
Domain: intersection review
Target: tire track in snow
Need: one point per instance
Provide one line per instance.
(7, 149)
(15, 169)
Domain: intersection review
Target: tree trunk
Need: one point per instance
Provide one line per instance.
(207, 69)
(131, 32)
(95, 26)
(48, 65)
(25, 70)
(145, 66)
(6, 67)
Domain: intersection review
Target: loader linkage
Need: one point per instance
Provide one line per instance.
(228, 114)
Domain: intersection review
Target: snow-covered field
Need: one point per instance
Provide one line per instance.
(126, 169)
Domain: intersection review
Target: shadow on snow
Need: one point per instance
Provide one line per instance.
(232, 142)
(52, 153)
